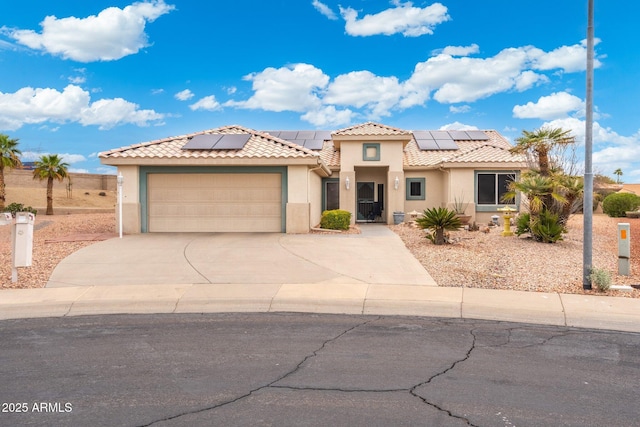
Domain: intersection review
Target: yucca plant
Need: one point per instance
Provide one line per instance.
(438, 220)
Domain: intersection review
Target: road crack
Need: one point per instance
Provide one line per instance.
(313, 354)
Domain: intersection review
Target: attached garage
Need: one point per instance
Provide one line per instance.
(214, 202)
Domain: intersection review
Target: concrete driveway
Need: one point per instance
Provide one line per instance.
(376, 256)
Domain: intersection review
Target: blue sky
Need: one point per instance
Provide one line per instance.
(78, 77)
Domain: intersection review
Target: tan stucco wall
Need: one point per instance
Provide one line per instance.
(348, 196)
(351, 155)
(298, 203)
(315, 198)
(130, 200)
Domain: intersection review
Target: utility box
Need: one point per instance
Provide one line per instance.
(624, 248)
(6, 218)
(22, 239)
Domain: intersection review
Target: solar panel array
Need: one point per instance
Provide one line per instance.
(217, 142)
(445, 139)
(311, 139)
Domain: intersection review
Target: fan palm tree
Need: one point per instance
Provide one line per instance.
(8, 158)
(540, 142)
(50, 167)
(619, 173)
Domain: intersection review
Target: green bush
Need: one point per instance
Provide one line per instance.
(616, 204)
(336, 219)
(601, 278)
(523, 224)
(438, 220)
(19, 207)
(547, 228)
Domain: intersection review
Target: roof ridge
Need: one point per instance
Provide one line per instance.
(462, 152)
(371, 123)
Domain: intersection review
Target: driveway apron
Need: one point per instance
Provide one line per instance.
(377, 255)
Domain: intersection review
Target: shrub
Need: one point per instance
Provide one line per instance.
(601, 278)
(616, 204)
(336, 219)
(547, 228)
(19, 207)
(437, 220)
(523, 224)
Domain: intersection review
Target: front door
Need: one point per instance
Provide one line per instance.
(365, 200)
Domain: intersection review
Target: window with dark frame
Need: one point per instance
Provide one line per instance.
(491, 187)
(415, 189)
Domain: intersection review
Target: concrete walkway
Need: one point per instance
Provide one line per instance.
(370, 273)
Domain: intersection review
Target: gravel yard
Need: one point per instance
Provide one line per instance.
(475, 259)
(488, 260)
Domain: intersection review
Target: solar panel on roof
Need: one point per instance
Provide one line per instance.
(477, 135)
(300, 142)
(446, 144)
(427, 144)
(459, 135)
(275, 133)
(202, 142)
(306, 134)
(440, 134)
(289, 134)
(232, 141)
(313, 144)
(324, 135)
(422, 134)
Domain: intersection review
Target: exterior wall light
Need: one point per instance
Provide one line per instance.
(347, 183)
(396, 183)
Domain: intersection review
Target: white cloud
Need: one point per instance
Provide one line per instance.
(458, 126)
(208, 103)
(77, 80)
(403, 19)
(329, 117)
(554, 106)
(73, 104)
(324, 10)
(157, 91)
(291, 88)
(31, 156)
(184, 95)
(458, 50)
(461, 109)
(568, 58)
(112, 34)
(363, 88)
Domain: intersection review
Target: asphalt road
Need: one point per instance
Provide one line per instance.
(313, 370)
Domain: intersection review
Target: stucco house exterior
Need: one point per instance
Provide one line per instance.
(242, 180)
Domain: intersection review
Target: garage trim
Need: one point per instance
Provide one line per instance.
(146, 170)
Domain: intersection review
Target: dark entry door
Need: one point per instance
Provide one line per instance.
(365, 200)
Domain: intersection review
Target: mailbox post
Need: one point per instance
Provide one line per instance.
(624, 248)
(21, 240)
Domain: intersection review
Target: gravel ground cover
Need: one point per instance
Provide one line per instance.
(487, 260)
(474, 259)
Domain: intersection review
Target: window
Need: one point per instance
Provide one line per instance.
(331, 190)
(370, 152)
(491, 186)
(415, 188)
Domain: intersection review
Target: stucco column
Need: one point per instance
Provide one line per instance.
(348, 195)
(395, 196)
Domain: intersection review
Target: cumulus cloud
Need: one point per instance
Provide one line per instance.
(329, 116)
(184, 95)
(31, 156)
(324, 10)
(451, 76)
(208, 103)
(291, 88)
(73, 104)
(458, 126)
(403, 19)
(112, 34)
(461, 109)
(554, 106)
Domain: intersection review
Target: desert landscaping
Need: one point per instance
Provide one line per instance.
(473, 259)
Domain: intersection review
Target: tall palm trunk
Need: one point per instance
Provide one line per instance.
(50, 196)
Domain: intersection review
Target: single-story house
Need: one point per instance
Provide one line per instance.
(238, 179)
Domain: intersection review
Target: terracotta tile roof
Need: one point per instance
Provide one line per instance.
(330, 156)
(371, 129)
(260, 145)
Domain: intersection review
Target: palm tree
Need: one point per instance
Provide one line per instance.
(619, 173)
(50, 167)
(438, 220)
(8, 158)
(539, 143)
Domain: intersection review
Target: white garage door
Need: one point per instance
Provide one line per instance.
(214, 202)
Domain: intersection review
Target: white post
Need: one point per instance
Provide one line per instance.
(624, 248)
(119, 181)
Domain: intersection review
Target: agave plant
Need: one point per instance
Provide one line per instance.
(438, 220)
